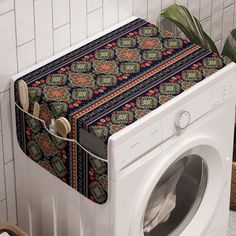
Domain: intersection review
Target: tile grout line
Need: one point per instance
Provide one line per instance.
(133, 7)
(67, 23)
(224, 7)
(234, 13)
(211, 16)
(6, 12)
(35, 43)
(4, 170)
(88, 12)
(17, 63)
(86, 18)
(228, 6)
(103, 15)
(70, 22)
(22, 44)
(118, 11)
(53, 44)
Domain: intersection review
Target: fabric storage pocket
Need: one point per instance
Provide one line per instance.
(86, 172)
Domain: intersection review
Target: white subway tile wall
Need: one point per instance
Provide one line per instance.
(43, 29)
(94, 20)
(34, 30)
(61, 38)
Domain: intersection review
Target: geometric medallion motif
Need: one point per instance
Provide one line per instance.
(187, 85)
(152, 55)
(212, 63)
(98, 165)
(46, 144)
(81, 80)
(105, 67)
(148, 31)
(126, 42)
(122, 117)
(45, 114)
(149, 43)
(59, 167)
(97, 191)
(81, 66)
(56, 79)
(169, 88)
(106, 80)
(130, 67)
(34, 150)
(128, 54)
(164, 98)
(82, 94)
(192, 75)
(104, 182)
(34, 124)
(208, 72)
(139, 113)
(54, 93)
(99, 131)
(173, 43)
(115, 128)
(104, 54)
(59, 108)
(34, 94)
(146, 102)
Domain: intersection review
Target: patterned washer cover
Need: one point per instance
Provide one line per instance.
(102, 87)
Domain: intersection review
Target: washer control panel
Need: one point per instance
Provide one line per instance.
(182, 119)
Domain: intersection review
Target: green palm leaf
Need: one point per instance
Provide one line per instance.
(229, 49)
(190, 25)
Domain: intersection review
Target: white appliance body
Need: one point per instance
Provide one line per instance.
(138, 156)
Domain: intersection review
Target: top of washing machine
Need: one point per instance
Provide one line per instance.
(115, 81)
(111, 82)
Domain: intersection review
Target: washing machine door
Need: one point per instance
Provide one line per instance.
(187, 190)
(176, 197)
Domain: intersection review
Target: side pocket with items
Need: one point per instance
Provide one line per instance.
(53, 153)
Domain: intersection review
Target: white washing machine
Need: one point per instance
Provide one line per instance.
(184, 174)
(169, 173)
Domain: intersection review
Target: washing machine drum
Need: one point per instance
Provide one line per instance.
(176, 197)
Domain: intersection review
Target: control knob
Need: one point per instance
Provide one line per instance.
(182, 120)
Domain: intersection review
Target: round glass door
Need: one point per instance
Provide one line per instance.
(176, 197)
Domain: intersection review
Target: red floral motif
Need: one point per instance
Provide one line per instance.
(55, 93)
(82, 80)
(128, 54)
(106, 67)
(149, 43)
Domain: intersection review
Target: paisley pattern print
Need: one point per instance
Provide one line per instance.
(103, 87)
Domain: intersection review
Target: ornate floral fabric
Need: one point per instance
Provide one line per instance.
(102, 87)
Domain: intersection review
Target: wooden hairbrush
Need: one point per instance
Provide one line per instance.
(24, 95)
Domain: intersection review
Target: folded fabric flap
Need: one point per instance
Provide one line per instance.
(92, 143)
(163, 199)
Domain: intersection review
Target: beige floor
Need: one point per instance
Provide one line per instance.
(232, 224)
